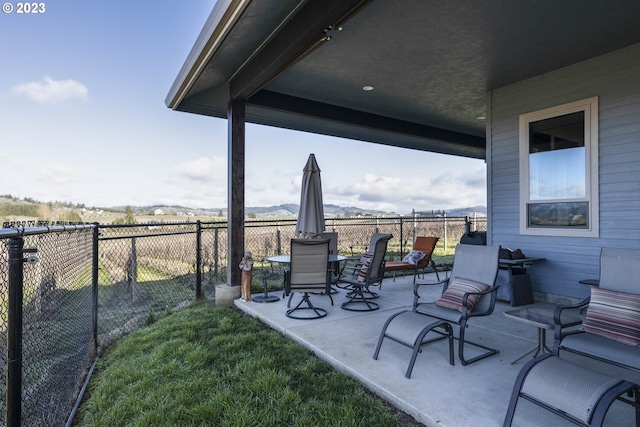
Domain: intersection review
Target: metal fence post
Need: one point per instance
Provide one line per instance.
(198, 260)
(415, 226)
(94, 283)
(14, 332)
(401, 237)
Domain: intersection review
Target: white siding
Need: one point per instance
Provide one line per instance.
(615, 79)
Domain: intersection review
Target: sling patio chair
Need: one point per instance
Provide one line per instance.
(610, 332)
(336, 267)
(418, 259)
(354, 263)
(371, 273)
(470, 291)
(308, 273)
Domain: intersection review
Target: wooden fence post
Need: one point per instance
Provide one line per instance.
(132, 274)
(444, 222)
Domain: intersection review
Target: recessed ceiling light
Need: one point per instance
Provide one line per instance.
(367, 88)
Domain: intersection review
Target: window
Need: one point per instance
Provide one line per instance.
(559, 170)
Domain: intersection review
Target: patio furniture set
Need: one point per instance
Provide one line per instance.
(303, 275)
(610, 332)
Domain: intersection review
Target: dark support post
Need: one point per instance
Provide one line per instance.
(198, 260)
(279, 242)
(216, 253)
(401, 237)
(94, 283)
(444, 232)
(14, 332)
(235, 193)
(415, 227)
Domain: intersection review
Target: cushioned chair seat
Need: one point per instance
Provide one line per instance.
(572, 392)
(399, 265)
(425, 244)
(408, 328)
(603, 348)
(439, 312)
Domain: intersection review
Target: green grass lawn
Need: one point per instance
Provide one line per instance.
(208, 366)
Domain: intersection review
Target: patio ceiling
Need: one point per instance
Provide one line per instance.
(430, 63)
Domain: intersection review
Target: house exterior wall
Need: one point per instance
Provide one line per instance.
(615, 79)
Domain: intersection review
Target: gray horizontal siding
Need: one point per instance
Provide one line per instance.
(615, 79)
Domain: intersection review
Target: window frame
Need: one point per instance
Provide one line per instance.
(590, 108)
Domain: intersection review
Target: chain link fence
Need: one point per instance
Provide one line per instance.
(144, 271)
(272, 237)
(47, 318)
(68, 292)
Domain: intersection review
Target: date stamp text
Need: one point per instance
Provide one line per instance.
(24, 8)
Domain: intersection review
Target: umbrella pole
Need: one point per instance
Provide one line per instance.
(266, 297)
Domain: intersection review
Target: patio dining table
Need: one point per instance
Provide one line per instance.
(286, 259)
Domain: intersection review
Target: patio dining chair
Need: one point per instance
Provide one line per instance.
(470, 291)
(371, 273)
(308, 274)
(337, 267)
(354, 263)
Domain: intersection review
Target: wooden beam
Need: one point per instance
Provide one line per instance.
(320, 110)
(302, 34)
(235, 190)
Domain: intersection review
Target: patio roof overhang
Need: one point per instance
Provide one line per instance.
(303, 64)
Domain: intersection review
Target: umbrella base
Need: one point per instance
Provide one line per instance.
(266, 297)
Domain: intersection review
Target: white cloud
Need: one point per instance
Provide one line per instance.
(201, 197)
(401, 194)
(49, 91)
(55, 174)
(204, 169)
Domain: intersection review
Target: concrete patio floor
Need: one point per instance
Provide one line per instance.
(437, 394)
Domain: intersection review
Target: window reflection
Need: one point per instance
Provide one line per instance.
(557, 168)
(559, 214)
(557, 171)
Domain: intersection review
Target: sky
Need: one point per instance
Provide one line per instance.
(83, 120)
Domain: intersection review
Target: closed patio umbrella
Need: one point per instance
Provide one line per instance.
(311, 215)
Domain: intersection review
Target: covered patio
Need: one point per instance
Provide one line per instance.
(445, 77)
(437, 394)
(459, 78)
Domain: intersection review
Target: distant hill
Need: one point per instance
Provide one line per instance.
(458, 212)
(12, 209)
(292, 210)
